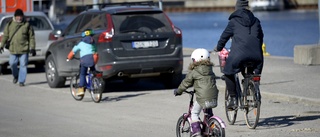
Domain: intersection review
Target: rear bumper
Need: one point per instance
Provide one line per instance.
(141, 68)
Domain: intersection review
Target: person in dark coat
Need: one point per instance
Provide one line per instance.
(247, 38)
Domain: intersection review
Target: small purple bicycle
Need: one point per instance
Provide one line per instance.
(212, 126)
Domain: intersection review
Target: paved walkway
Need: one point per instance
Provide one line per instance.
(282, 79)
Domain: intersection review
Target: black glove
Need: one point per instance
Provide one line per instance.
(1, 50)
(33, 52)
(175, 92)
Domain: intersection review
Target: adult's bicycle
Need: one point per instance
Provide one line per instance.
(94, 84)
(248, 98)
(211, 126)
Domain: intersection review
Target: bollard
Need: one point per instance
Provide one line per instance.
(264, 51)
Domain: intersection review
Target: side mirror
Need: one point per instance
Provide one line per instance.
(57, 33)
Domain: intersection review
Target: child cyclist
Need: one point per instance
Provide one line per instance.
(88, 57)
(202, 78)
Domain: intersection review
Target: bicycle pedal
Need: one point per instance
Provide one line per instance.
(233, 109)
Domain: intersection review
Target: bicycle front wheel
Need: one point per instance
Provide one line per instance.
(215, 128)
(74, 85)
(252, 111)
(96, 89)
(183, 128)
(231, 114)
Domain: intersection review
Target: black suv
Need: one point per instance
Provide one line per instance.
(134, 40)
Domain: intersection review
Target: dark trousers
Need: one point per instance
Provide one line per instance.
(231, 81)
(231, 85)
(83, 73)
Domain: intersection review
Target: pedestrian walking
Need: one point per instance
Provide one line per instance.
(19, 38)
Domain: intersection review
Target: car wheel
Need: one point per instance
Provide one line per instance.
(1, 69)
(172, 80)
(53, 78)
(39, 65)
(4, 69)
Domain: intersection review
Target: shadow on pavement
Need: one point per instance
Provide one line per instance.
(285, 121)
(119, 98)
(37, 83)
(142, 85)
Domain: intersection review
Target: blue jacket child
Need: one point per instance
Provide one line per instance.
(88, 57)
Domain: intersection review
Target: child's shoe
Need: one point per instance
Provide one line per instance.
(80, 91)
(196, 129)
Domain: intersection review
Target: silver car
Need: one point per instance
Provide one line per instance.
(43, 29)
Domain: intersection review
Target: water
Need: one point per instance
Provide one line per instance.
(283, 30)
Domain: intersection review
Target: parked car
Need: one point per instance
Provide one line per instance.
(42, 27)
(134, 40)
(267, 5)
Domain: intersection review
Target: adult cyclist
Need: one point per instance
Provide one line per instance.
(246, 46)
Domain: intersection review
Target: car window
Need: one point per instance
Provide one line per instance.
(4, 23)
(145, 23)
(38, 22)
(71, 29)
(93, 21)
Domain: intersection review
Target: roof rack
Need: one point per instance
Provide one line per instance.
(128, 4)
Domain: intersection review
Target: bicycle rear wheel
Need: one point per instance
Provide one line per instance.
(215, 128)
(231, 114)
(252, 111)
(96, 89)
(183, 128)
(74, 85)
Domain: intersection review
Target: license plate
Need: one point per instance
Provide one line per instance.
(145, 44)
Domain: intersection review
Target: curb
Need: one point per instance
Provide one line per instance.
(283, 97)
(290, 98)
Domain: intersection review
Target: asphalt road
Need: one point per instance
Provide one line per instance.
(144, 109)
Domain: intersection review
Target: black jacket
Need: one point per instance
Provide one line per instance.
(247, 39)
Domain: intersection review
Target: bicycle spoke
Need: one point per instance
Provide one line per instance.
(96, 90)
(231, 114)
(252, 112)
(215, 128)
(74, 88)
(183, 128)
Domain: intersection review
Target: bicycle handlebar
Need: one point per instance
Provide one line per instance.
(72, 59)
(190, 92)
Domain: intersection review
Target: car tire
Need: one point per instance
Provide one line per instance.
(1, 69)
(172, 80)
(4, 69)
(39, 65)
(52, 75)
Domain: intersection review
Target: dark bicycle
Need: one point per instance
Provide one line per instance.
(211, 126)
(94, 85)
(249, 97)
